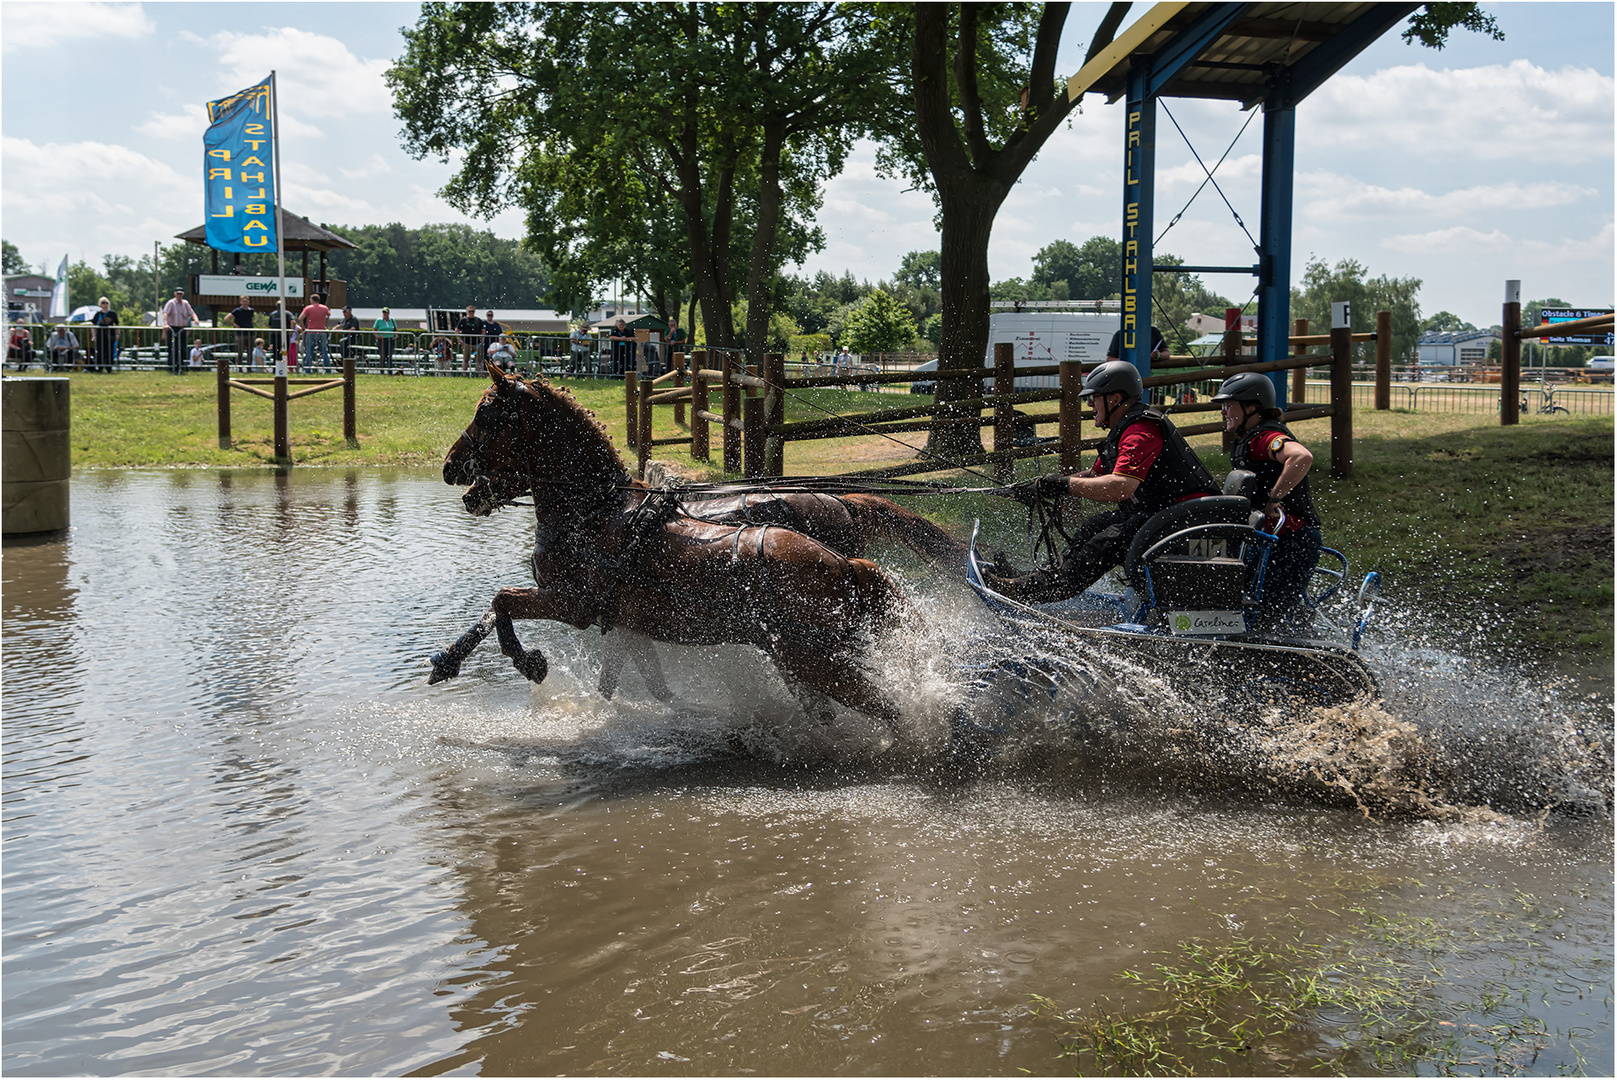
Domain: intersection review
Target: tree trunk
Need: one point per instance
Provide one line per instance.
(969, 207)
(760, 263)
(710, 269)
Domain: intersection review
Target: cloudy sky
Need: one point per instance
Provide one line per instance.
(1486, 161)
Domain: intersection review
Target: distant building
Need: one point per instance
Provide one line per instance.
(1214, 324)
(28, 292)
(1452, 348)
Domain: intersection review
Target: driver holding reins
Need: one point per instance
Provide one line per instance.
(1144, 466)
(1266, 447)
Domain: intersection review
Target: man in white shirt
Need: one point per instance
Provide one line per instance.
(177, 318)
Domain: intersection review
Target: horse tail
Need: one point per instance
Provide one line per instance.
(876, 517)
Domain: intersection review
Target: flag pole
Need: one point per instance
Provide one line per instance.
(280, 224)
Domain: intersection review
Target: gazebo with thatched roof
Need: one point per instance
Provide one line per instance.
(299, 234)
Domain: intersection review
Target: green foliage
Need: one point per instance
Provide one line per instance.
(86, 286)
(1092, 271)
(12, 258)
(812, 344)
(879, 324)
(1444, 322)
(920, 270)
(447, 265)
(1431, 25)
(1323, 285)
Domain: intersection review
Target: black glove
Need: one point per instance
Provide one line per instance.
(1039, 489)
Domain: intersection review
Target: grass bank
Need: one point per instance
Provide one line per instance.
(1504, 529)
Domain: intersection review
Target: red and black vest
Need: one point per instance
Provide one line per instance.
(1177, 472)
(1297, 503)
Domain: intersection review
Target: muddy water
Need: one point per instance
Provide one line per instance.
(241, 835)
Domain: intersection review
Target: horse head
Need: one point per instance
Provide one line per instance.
(530, 436)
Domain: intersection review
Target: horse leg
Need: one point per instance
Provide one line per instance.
(614, 651)
(836, 678)
(446, 664)
(521, 604)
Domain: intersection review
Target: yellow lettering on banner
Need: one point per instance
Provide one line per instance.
(254, 143)
(256, 208)
(263, 241)
(222, 155)
(253, 161)
(254, 225)
(218, 174)
(230, 211)
(260, 195)
(227, 189)
(256, 178)
(254, 129)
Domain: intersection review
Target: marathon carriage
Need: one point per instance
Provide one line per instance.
(1194, 577)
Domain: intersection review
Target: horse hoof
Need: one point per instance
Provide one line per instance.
(533, 666)
(444, 667)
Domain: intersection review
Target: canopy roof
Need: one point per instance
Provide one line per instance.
(300, 234)
(1303, 43)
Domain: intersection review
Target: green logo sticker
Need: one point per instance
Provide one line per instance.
(1182, 623)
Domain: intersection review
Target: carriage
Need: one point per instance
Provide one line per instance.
(1194, 578)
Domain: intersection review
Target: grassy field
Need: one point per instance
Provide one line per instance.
(1508, 529)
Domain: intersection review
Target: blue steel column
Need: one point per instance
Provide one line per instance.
(1274, 282)
(1139, 164)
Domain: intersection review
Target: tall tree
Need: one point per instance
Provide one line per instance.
(1349, 280)
(984, 98)
(733, 111)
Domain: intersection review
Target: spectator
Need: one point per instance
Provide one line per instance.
(198, 357)
(349, 338)
(385, 328)
(106, 335)
(470, 329)
(275, 332)
(177, 318)
(242, 318)
(622, 349)
(20, 347)
(501, 355)
(844, 358)
(61, 348)
(677, 339)
(492, 332)
(313, 321)
(579, 340)
(443, 354)
(259, 360)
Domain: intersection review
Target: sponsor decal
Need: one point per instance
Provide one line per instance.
(1206, 622)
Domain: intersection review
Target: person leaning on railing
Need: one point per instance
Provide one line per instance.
(385, 328)
(106, 335)
(20, 347)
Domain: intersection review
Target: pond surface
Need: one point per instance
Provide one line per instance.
(243, 837)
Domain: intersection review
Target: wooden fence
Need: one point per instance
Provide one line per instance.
(752, 413)
(281, 393)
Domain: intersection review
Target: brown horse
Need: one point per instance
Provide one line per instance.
(611, 552)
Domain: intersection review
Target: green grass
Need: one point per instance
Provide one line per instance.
(1462, 516)
(1379, 994)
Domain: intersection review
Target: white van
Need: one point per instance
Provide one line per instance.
(1041, 338)
(1601, 365)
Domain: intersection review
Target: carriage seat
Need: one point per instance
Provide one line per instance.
(1183, 578)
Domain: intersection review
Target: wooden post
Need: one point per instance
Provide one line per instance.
(1232, 356)
(679, 380)
(1510, 372)
(1383, 361)
(1004, 415)
(731, 397)
(643, 442)
(699, 444)
(222, 366)
(752, 420)
(283, 432)
(775, 413)
(1299, 376)
(1341, 391)
(631, 404)
(350, 426)
(1072, 412)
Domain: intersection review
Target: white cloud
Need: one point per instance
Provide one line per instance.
(1486, 113)
(189, 123)
(114, 199)
(46, 26)
(375, 165)
(318, 77)
(1332, 195)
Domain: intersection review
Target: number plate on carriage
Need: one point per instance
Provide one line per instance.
(1204, 547)
(1206, 622)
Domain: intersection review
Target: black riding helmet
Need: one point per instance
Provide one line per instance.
(1248, 386)
(1114, 377)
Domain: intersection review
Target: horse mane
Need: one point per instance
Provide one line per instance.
(583, 438)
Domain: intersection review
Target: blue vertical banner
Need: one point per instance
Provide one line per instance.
(238, 154)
